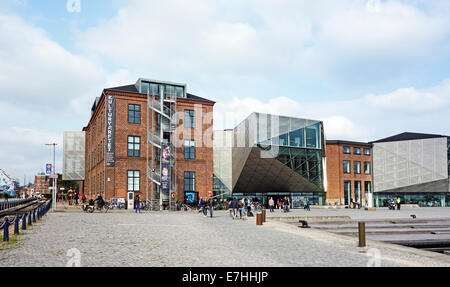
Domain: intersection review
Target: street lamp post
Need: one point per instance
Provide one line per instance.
(55, 178)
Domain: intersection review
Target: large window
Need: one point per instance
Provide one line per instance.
(367, 167)
(368, 186)
(133, 180)
(189, 181)
(189, 119)
(134, 146)
(367, 151)
(189, 149)
(356, 150)
(347, 192)
(312, 139)
(346, 149)
(134, 114)
(357, 191)
(297, 138)
(346, 166)
(357, 167)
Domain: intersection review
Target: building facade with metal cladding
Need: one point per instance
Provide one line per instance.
(414, 167)
(271, 156)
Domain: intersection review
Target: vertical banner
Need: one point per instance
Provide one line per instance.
(110, 155)
(165, 167)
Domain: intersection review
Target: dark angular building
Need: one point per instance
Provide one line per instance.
(271, 156)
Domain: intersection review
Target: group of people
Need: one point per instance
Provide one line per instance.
(242, 207)
(205, 205)
(72, 197)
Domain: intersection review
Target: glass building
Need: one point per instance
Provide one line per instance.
(270, 156)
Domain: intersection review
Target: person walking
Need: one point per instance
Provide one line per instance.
(235, 207)
(138, 204)
(308, 204)
(200, 205)
(249, 205)
(271, 203)
(398, 202)
(211, 206)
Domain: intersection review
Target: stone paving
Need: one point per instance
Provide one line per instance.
(187, 239)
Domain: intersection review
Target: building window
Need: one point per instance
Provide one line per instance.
(357, 166)
(189, 149)
(189, 119)
(134, 114)
(368, 186)
(347, 192)
(133, 180)
(357, 191)
(367, 167)
(356, 150)
(367, 151)
(134, 148)
(347, 149)
(189, 181)
(346, 166)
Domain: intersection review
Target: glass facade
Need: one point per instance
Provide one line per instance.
(169, 90)
(306, 162)
(421, 199)
(302, 137)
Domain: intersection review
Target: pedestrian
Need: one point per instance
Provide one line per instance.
(211, 206)
(200, 205)
(308, 204)
(249, 205)
(138, 204)
(235, 207)
(398, 203)
(83, 198)
(271, 203)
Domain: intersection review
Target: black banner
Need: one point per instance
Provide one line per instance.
(110, 155)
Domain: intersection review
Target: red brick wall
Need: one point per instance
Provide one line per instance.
(116, 177)
(335, 171)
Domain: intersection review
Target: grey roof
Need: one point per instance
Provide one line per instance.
(409, 136)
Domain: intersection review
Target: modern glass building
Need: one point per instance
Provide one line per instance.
(271, 156)
(414, 167)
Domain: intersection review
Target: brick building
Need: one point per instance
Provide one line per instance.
(349, 172)
(41, 183)
(129, 127)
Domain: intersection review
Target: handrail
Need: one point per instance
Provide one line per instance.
(38, 212)
(9, 204)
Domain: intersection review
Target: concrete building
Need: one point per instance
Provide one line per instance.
(130, 126)
(271, 156)
(349, 172)
(414, 167)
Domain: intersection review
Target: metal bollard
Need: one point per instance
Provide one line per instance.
(259, 219)
(6, 230)
(29, 219)
(263, 215)
(16, 225)
(24, 221)
(362, 234)
(34, 215)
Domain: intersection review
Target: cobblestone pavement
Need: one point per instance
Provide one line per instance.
(122, 238)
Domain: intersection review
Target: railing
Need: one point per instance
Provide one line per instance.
(9, 204)
(29, 216)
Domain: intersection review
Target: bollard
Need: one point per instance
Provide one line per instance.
(259, 219)
(6, 230)
(362, 234)
(16, 225)
(24, 221)
(34, 215)
(263, 215)
(29, 219)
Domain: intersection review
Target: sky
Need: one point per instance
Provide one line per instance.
(368, 68)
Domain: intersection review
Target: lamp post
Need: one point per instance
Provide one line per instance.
(55, 178)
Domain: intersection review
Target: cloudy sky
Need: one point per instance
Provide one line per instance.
(369, 69)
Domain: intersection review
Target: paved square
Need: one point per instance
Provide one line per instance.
(189, 239)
